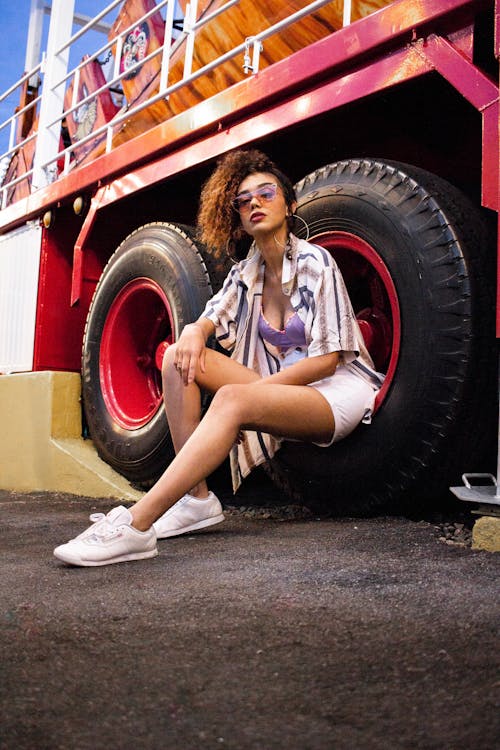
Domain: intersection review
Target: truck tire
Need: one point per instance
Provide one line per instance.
(153, 285)
(414, 255)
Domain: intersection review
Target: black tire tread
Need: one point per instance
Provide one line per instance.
(460, 294)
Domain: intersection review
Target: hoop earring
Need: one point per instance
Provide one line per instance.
(304, 222)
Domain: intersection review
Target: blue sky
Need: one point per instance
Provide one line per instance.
(14, 20)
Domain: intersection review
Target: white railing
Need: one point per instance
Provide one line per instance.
(56, 78)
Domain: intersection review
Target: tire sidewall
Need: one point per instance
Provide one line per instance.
(151, 252)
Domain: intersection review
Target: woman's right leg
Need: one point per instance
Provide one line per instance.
(183, 402)
(299, 412)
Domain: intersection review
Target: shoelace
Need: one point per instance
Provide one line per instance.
(104, 529)
(100, 530)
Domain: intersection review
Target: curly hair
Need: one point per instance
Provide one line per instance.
(219, 224)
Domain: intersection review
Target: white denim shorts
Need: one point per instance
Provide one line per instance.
(351, 400)
(351, 397)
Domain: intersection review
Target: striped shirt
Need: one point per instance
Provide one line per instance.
(317, 292)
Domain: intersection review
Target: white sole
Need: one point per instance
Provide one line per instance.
(193, 527)
(70, 560)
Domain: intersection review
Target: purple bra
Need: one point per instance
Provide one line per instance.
(293, 335)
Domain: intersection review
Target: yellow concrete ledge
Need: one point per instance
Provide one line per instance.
(486, 534)
(41, 447)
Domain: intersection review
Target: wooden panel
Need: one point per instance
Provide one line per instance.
(223, 33)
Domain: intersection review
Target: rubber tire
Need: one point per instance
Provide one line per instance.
(438, 417)
(167, 255)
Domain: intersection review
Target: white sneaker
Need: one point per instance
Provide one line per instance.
(110, 539)
(189, 514)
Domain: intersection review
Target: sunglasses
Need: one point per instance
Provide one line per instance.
(265, 193)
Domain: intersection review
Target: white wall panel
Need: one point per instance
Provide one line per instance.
(19, 268)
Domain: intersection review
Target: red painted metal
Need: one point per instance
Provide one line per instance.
(498, 273)
(497, 29)
(138, 325)
(88, 223)
(381, 319)
(482, 93)
(160, 353)
(380, 75)
(58, 328)
(497, 53)
(389, 28)
(377, 333)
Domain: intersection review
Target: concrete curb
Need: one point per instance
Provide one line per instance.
(41, 444)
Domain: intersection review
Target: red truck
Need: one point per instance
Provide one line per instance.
(386, 117)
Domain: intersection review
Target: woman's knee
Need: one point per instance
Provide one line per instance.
(231, 399)
(168, 358)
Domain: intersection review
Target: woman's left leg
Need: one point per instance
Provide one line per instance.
(298, 412)
(283, 410)
(183, 402)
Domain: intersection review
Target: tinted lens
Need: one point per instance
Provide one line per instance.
(265, 193)
(242, 201)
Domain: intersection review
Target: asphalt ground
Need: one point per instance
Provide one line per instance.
(260, 633)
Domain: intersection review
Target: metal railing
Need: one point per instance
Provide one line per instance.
(44, 169)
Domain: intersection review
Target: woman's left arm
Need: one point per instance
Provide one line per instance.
(306, 370)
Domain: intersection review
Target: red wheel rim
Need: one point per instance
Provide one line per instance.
(374, 298)
(137, 330)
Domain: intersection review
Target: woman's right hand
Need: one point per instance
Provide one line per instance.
(190, 351)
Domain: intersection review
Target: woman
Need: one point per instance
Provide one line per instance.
(298, 368)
